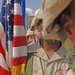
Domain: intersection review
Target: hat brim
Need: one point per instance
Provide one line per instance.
(51, 9)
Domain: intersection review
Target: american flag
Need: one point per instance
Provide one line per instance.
(9, 30)
(13, 40)
(4, 37)
(19, 41)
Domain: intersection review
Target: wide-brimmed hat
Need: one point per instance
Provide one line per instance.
(51, 10)
(39, 15)
(33, 21)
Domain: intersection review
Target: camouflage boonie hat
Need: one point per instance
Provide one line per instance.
(30, 32)
(38, 16)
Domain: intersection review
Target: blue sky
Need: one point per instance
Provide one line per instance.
(33, 4)
(0, 4)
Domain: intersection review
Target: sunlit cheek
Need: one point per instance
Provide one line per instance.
(37, 33)
(30, 38)
(70, 72)
(74, 35)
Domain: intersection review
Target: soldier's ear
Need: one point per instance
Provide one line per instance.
(67, 26)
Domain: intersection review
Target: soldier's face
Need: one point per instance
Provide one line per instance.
(73, 17)
(37, 32)
(31, 37)
(69, 25)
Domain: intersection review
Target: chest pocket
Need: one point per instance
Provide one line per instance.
(33, 66)
(62, 68)
(37, 68)
(58, 67)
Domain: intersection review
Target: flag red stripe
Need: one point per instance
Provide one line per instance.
(4, 72)
(18, 20)
(18, 61)
(19, 41)
(2, 51)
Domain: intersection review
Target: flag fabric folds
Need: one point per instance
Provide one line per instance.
(4, 67)
(19, 41)
(13, 45)
(9, 30)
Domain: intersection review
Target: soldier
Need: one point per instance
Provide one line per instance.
(37, 20)
(48, 59)
(59, 18)
(35, 26)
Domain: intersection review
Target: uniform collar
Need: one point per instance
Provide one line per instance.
(32, 48)
(59, 54)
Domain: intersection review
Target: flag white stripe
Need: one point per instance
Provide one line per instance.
(19, 31)
(1, 31)
(17, 11)
(3, 63)
(19, 51)
(10, 53)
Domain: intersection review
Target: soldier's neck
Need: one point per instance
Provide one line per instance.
(50, 48)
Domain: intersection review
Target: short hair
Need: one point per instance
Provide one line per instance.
(37, 22)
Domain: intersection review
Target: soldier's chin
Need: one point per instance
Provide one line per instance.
(70, 72)
(49, 36)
